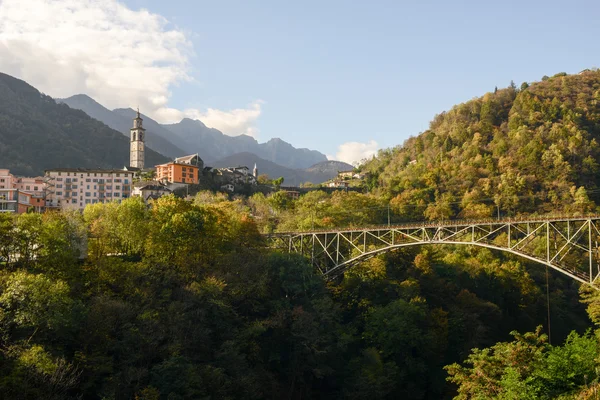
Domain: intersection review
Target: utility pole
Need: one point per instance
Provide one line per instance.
(388, 207)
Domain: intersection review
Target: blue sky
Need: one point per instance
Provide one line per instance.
(336, 71)
(322, 73)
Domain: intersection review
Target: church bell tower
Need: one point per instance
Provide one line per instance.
(136, 152)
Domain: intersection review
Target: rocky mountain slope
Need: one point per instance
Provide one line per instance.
(212, 145)
(156, 136)
(192, 136)
(292, 177)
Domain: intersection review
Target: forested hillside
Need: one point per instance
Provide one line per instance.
(195, 306)
(516, 150)
(38, 134)
(185, 300)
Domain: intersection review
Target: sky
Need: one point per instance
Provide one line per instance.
(343, 77)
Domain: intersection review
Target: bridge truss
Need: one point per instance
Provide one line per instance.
(568, 245)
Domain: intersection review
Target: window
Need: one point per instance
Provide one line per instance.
(68, 180)
(126, 180)
(95, 187)
(87, 194)
(35, 188)
(74, 201)
(59, 179)
(1, 180)
(60, 173)
(88, 180)
(74, 179)
(59, 193)
(118, 187)
(100, 180)
(94, 180)
(74, 186)
(88, 174)
(108, 195)
(59, 186)
(88, 186)
(87, 201)
(118, 174)
(109, 188)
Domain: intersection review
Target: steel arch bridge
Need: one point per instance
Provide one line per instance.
(566, 244)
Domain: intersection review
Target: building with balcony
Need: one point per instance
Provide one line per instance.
(14, 201)
(20, 194)
(75, 188)
(181, 170)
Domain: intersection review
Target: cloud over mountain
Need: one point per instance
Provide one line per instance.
(354, 152)
(119, 56)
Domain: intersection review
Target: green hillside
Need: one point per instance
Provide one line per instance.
(185, 300)
(516, 150)
(38, 134)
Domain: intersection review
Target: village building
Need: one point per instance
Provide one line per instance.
(338, 184)
(14, 201)
(237, 175)
(345, 174)
(19, 194)
(184, 170)
(150, 190)
(74, 188)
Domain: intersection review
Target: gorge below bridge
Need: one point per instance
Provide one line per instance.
(567, 244)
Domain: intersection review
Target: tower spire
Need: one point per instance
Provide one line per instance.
(136, 149)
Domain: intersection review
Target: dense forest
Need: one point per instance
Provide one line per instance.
(533, 149)
(184, 299)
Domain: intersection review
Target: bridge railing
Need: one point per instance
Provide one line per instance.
(451, 222)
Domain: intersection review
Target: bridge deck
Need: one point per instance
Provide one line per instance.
(568, 244)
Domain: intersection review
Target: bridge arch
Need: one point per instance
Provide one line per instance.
(567, 245)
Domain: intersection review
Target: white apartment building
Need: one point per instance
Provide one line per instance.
(75, 188)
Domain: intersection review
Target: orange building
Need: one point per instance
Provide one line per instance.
(38, 203)
(182, 170)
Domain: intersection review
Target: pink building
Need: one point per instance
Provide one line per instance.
(19, 194)
(6, 179)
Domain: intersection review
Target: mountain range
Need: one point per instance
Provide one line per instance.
(195, 137)
(37, 134)
(317, 173)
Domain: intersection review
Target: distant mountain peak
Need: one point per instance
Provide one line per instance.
(195, 137)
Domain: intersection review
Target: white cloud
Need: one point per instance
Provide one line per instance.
(354, 152)
(233, 122)
(118, 56)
